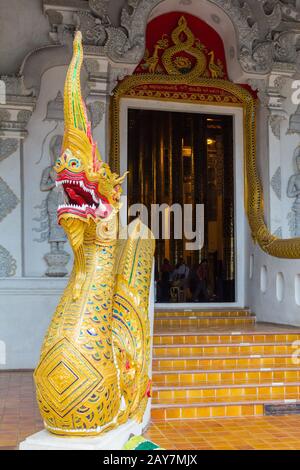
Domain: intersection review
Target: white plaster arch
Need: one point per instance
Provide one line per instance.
(38, 61)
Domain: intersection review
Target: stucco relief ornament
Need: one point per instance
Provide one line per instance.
(93, 29)
(93, 373)
(276, 182)
(57, 259)
(15, 86)
(130, 38)
(8, 265)
(8, 200)
(285, 47)
(275, 121)
(4, 115)
(260, 86)
(262, 28)
(116, 75)
(278, 232)
(260, 38)
(55, 109)
(293, 191)
(8, 147)
(99, 7)
(96, 111)
(294, 122)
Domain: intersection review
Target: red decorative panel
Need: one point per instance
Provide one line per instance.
(205, 42)
(179, 44)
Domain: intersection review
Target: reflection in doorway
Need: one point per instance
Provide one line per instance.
(187, 158)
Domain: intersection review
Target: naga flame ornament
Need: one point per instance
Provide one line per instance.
(93, 370)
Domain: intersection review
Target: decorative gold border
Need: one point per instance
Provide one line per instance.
(280, 248)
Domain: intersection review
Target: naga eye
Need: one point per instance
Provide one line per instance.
(74, 163)
(57, 164)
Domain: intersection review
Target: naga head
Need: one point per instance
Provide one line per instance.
(91, 190)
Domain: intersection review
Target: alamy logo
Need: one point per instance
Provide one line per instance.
(178, 222)
(296, 93)
(296, 353)
(2, 353)
(2, 92)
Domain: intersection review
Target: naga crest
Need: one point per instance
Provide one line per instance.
(91, 189)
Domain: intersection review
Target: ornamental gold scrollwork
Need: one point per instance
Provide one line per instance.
(186, 88)
(182, 53)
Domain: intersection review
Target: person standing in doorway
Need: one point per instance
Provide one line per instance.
(180, 276)
(202, 276)
(165, 276)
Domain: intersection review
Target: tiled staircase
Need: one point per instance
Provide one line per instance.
(220, 363)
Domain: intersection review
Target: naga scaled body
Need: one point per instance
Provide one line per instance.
(93, 371)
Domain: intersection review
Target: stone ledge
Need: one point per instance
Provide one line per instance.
(32, 286)
(113, 440)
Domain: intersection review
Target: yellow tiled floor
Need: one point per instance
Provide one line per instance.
(231, 433)
(19, 417)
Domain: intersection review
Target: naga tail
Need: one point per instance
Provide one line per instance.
(131, 324)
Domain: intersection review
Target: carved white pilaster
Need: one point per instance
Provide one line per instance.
(277, 116)
(276, 101)
(118, 72)
(17, 109)
(62, 17)
(15, 112)
(97, 66)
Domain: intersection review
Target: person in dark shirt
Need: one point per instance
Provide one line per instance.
(202, 276)
(165, 271)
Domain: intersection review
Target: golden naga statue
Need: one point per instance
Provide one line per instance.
(93, 370)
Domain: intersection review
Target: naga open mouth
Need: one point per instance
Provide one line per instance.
(81, 197)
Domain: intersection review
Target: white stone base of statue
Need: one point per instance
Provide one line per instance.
(57, 262)
(113, 440)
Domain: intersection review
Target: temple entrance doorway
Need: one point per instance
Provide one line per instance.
(189, 158)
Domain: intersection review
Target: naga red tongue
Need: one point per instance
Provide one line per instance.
(75, 197)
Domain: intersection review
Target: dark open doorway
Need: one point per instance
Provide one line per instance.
(187, 158)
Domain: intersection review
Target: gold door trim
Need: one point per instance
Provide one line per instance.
(139, 86)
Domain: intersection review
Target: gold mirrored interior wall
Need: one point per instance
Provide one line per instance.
(187, 158)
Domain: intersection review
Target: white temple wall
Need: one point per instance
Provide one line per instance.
(26, 308)
(274, 290)
(273, 285)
